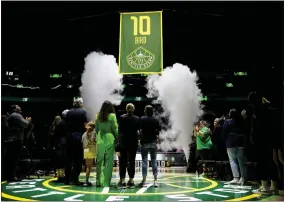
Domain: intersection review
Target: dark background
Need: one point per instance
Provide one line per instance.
(215, 39)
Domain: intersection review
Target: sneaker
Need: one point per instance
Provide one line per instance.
(77, 183)
(130, 184)
(202, 175)
(156, 184)
(87, 184)
(121, 185)
(234, 181)
(241, 182)
(262, 191)
(142, 184)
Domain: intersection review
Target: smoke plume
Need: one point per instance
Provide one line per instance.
(100, 81)
(178, 94)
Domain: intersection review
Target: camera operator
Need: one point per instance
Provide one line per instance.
(14, 141)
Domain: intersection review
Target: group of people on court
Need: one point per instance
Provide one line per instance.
(257, 127)
(100, 139)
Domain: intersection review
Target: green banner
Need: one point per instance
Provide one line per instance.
(141, 43)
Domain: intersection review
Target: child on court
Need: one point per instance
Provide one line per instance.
(89, 144)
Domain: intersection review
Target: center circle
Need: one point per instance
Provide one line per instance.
(188, 190)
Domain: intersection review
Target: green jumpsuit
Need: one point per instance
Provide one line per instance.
(107, 132)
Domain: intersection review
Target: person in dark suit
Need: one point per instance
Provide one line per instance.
(76, 118)
(129, 126)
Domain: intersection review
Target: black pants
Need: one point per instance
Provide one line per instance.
(59, 161)
(204, 154)
(74, 157)
(266, 167)
(127, 160)
(11, 158)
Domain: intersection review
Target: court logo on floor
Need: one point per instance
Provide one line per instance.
(172, 187)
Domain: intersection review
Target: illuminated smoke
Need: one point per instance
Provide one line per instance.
(100, 81)
(178, 94)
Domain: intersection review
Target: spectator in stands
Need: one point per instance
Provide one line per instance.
(150, 129)
(234, 136)
(203, 143)
(76, 118)
(129, 126)
(14, 141)
(107, 134)
(218, 141)
(265, 133)
(60, 134)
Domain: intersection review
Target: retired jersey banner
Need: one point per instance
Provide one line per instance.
(141, 43)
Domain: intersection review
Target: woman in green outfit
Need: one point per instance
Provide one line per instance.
(203, 141)
(107, 133)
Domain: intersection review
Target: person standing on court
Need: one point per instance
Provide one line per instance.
(150, 129)
(14, 141)
(76, 118)
(107, 134)
(129, 126)
(61, 134)
(234, 134)
(264, 132)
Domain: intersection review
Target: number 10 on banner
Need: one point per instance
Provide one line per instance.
(138, 25)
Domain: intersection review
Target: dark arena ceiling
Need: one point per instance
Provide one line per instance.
(234, 47)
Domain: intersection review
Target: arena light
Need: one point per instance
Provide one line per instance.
(55, 76)
(240, 73)
(229, 85)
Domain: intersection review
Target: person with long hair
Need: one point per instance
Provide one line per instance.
(107, 134)
(52, 130)
(60, 134)
(234, 136)
(150, 129)
(217, 140)
(265, 132)
(129, 126)
(53, 140)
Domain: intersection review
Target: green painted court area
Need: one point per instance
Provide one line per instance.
(174, 185)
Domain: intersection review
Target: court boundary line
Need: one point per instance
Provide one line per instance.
(213, 184)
